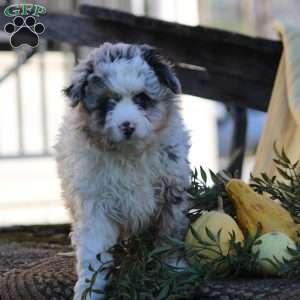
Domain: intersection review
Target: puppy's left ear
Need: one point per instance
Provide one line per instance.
(76, 90)
(162, 68)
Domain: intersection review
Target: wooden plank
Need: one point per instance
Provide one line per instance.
(235, 68)
(214, 49)
(221, 87)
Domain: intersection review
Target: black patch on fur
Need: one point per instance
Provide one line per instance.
(143, 100)
(162, 68)
(171, 155)
(103, 109)
(95, 93)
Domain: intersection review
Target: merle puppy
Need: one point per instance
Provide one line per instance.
(122, 152)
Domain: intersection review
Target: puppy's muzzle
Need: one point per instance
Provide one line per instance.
(127, 128)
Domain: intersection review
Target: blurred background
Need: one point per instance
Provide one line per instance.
(32, 105)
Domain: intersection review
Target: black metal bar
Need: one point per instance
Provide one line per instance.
(238, 142)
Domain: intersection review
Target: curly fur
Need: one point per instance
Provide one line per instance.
(113, 183)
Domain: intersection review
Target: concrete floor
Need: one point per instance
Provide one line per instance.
(30, 193)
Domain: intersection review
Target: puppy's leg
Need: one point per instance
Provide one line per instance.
(172, 220)
(93, 234)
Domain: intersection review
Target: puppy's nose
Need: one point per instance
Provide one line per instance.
(127, 128)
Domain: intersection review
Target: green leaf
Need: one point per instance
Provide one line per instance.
(265, 177)
(195, 234)
(276, 150)
(293, 252)
(273, 263)
(195, 173)
(283, 173)
(232, 236)
(160, 250)
(203, 174)
(281, 163)
(284, 156)
(219, 236)
(210, 234)
(163, 293)
(214, 177)
(98, 292)
(176, 242)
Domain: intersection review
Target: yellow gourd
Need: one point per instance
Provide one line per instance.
(272, 246)
(214, 221)
(253, 209)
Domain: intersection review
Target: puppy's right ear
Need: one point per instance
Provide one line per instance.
(73, 94)
(76, 90)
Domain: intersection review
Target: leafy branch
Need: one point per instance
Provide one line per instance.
(143, 272)
(205, 197)
(285, 189)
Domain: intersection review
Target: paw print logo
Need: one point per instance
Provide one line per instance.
(24, 31)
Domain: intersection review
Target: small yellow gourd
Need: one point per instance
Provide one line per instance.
(214, 221)
(270, 245)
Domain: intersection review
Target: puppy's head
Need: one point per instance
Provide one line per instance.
(125, 93)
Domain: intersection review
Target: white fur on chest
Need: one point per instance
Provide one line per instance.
(123, 187)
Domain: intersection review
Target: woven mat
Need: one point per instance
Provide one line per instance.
(49, 279)
(53, 279)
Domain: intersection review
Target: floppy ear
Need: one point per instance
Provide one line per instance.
(76, 90)
(162, 68)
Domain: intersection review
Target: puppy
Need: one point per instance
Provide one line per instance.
(122, 152)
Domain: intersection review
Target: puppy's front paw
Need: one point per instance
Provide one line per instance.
(81, 288)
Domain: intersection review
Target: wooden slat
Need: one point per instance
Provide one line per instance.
(237, 69)
(220, 86)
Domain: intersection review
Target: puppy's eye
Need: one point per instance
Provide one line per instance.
(108, 98)
(142, 100)
(116, 97)
(94, 102)
(112, 96)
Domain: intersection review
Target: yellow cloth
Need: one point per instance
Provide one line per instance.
(283, 118)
